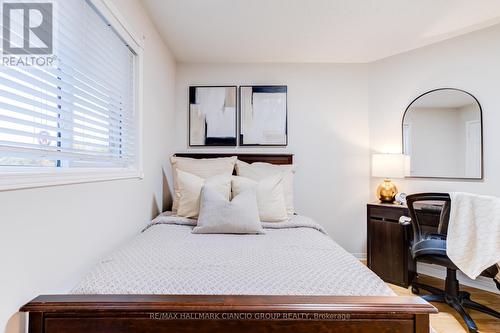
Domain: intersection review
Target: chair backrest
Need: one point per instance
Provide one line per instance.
(444, 217)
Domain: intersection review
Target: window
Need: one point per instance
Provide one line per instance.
(79, 114)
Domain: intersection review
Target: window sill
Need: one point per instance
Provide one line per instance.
(14, 180)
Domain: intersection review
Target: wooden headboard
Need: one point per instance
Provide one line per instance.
(245, 157)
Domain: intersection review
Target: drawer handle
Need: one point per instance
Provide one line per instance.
(404, 220)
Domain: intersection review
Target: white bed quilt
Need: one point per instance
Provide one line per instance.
(295, 257)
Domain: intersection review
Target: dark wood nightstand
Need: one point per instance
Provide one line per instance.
(389, 241)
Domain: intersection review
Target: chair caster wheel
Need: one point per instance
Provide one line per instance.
(415, 290)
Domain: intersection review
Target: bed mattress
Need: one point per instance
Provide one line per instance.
(295, 257)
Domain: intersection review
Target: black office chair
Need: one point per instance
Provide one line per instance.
(431, 248)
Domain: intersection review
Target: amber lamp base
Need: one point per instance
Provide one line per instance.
(386, 192)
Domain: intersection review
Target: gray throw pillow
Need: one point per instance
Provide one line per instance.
(221, 216)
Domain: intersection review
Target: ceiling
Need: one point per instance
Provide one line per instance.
(310, 31)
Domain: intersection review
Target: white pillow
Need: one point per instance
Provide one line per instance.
(202, 167)
(189, 189)
(261, 170)
(218, 215)
(270, 197)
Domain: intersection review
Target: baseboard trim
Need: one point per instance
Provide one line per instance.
(439, 272)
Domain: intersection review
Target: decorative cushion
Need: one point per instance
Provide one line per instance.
(202, 167)
(260, 170)
(218, 215)
(189, 191)
(270, 196)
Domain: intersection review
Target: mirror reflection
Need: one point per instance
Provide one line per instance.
(442, 134)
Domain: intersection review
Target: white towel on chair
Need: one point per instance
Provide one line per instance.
(473, 241)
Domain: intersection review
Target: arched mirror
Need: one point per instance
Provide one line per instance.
(442, 134)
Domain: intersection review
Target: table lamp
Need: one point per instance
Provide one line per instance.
(389, 166)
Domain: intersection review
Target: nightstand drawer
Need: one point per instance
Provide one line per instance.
(386, 213)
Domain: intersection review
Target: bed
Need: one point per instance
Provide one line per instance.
(292, 278)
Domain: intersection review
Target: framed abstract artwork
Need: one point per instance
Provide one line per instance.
(212, 116)
(263, 116)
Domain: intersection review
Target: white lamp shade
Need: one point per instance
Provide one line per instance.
(390, 165)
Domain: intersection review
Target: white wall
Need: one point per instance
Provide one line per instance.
(50, 236)
(328, 133)
(469, 62)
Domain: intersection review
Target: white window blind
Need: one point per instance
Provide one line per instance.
(78, 113)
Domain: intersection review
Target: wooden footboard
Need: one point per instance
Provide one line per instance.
(211, 314)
